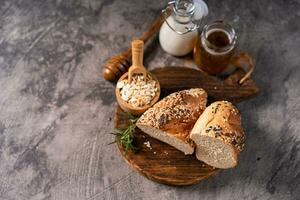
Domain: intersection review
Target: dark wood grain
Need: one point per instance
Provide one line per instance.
(173, 79)
(163, 163)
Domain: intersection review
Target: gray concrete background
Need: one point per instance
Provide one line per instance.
(56, 111)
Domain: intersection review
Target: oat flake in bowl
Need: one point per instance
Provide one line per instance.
(139, 92)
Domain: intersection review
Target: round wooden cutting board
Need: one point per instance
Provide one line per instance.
(161, 162)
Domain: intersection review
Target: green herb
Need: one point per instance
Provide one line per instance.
(125, 136)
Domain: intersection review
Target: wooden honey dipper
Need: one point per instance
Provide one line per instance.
(116, 66)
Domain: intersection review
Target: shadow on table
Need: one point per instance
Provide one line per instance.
(270, 162)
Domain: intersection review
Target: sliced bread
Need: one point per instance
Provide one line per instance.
(218, 135)
(171, 119)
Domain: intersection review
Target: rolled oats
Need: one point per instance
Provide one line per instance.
(140, 92)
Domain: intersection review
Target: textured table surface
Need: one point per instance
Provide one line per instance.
(56, 111)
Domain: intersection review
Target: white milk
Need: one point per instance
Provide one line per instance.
(188, 15)
(174, 43)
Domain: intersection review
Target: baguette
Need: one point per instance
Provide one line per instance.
(218, 135)
(171, 119)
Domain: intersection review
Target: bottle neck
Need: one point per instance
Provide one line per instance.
(183, 11)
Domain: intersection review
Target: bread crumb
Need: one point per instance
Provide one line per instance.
(154, 152)
(147, 143)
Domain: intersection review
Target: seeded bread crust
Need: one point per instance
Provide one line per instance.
(221, 120)
(177, 113)
(220, 125)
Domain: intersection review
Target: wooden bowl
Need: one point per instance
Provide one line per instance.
(134, 110)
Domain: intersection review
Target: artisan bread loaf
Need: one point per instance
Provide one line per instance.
(171, 119)
(218, 135)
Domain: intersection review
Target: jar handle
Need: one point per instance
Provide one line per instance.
(238, 60)
(166, 14)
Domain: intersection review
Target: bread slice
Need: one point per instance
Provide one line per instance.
(218, 135)
(171, 119)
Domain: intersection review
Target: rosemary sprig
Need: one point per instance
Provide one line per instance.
(125, 136)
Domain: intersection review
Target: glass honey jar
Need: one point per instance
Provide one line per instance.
(215, 47)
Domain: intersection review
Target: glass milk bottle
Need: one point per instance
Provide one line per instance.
(179, 32)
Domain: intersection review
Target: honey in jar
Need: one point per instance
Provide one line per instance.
(215, 47)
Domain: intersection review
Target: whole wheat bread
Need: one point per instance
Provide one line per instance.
(218, 135)
(171, 119)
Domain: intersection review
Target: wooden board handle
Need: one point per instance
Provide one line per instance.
(238, 61)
